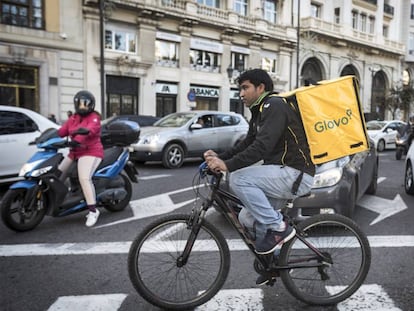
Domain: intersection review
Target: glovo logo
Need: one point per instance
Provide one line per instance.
(327, 125)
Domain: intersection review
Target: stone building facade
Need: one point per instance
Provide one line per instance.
(161, 56)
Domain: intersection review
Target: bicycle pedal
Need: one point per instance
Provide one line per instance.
(271, 282)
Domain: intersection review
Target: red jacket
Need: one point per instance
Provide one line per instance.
(90, 144)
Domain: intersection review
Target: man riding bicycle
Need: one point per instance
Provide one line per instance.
(277, 139)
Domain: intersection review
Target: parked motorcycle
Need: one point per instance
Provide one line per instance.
(402, 143)
(42, 192)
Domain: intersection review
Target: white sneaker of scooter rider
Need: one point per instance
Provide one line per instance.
(92, 218)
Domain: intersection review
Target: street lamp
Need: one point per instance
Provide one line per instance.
(102, 54)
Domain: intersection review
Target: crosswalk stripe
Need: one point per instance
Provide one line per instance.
(368, 297)
(56, 249)
(109, 302)
(235, 299)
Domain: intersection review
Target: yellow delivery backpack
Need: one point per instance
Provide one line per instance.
(332, 117)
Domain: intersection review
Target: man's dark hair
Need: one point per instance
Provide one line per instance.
(256, 77)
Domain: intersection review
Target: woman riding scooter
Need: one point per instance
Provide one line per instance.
(89, 153)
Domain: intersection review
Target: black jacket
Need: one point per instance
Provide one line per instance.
(275, 135)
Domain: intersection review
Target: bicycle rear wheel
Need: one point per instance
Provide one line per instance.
(340, 239)
(159, 277)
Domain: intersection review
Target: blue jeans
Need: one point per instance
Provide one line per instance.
(257, 185)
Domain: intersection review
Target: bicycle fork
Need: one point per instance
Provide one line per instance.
(194, 223)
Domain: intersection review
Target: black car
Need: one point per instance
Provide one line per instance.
(142, 120)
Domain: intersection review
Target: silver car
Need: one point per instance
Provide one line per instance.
(182, 135)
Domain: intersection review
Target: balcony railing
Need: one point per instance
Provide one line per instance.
(337, 31)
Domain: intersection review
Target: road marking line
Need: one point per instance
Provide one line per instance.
(88, 302)
(59, 249)
(235, 299)
(367, 297)
(153, 176)
(152, 206)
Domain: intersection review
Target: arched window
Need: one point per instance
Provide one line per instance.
(311, 71)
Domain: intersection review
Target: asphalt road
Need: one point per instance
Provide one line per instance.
(63, 265)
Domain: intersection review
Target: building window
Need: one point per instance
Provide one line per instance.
(411, 43)
(412, 11)
(166, 53)
(371, 24)
(270, 11)
(211, 3)
(337, 14)
(120, 41)
(269, 63)
(363, 23)
(238, 61)
(385, 30)
(19, 86)
(315, 10)
(205, 61)
(355, 20)
(24, 13)
(240, 7)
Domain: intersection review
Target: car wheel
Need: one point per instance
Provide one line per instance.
(381, 145)
(173, 156)
(409, 179)
(372, 188)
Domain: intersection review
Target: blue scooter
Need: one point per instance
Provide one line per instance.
(42, 192)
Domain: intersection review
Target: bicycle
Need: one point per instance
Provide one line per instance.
(181, 261)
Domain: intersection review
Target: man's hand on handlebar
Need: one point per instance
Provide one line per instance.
(214, 163)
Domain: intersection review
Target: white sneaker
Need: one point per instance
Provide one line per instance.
(92, 218)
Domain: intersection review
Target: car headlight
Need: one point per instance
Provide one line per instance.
(27, 167)
(327, 178)
(150, 139)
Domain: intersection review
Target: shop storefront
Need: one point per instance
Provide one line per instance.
(166, 98)
(19, 86)
(206, 97)
(122, 95)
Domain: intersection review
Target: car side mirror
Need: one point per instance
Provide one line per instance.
(196, 126)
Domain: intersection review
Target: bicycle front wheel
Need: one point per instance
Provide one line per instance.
(160, 277)
(339, 239)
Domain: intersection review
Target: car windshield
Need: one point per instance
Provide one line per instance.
(376, 125)
(175, 120)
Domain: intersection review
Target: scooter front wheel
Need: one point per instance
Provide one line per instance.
(18, 217)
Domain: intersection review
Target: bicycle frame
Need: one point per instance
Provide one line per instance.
(222, 197)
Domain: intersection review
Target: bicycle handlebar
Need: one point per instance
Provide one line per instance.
(204, 170)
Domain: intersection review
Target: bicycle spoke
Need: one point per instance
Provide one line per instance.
(158, 274)
(339, 240)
